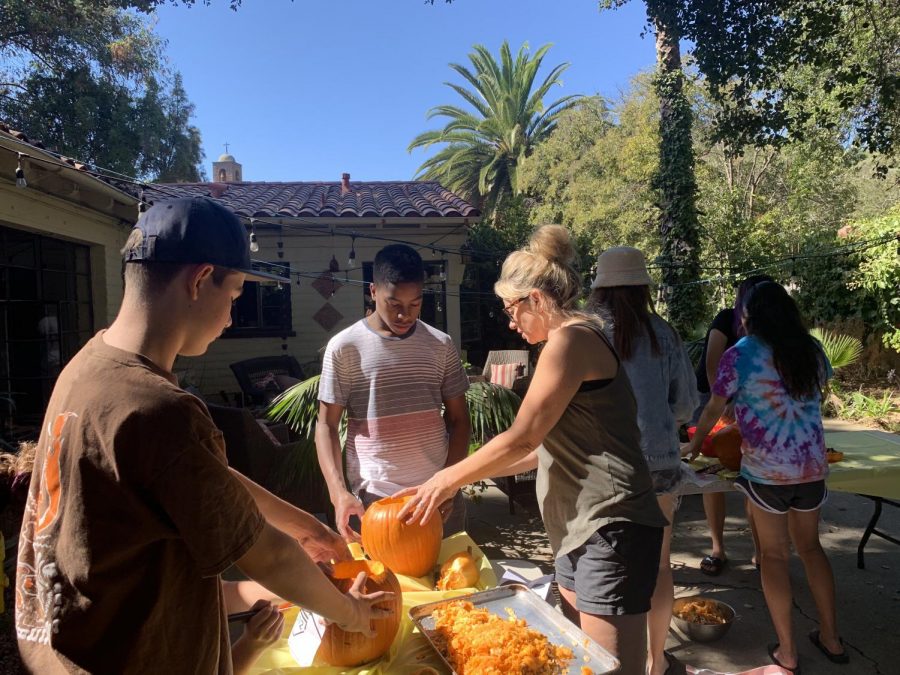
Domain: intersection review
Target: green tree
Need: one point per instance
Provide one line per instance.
(89, 78)
(485, 143)
(674, 180)
(751, 53)
(144, 133)
(593, 173)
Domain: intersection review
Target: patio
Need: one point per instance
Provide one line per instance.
(868, 600)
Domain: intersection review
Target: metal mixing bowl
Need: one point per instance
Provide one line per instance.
(699, 632)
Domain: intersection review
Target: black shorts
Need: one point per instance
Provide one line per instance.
(782, 498)
(614, 572)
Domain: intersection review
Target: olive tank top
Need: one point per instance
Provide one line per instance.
(591, 471)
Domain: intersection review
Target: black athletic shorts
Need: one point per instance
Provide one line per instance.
(783, 498)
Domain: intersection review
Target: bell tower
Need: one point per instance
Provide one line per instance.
(227, 169)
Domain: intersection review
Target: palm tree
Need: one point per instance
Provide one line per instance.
(485, 145)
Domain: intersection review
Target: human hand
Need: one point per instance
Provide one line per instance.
(264, 627)
(366, 607)
(690, 450)
(323, 544)
(425, 500)
(347, 505)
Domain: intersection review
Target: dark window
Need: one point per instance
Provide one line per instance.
(46, 316)
(434, 297)
(264, 308)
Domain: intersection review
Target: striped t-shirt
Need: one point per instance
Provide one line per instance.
(393, 389)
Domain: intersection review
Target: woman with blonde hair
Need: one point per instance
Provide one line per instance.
(577, 425)
(664, 385)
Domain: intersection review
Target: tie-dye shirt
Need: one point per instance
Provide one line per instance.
(783, 438)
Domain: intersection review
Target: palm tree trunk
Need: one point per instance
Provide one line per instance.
(675, 182)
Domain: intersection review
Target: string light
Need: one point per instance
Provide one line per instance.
(20, 172)
(334, 265)
(254, 244)
(351, 259)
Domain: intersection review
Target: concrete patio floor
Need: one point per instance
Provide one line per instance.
(868, 600)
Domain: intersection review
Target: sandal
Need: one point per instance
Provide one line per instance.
(843, 657)
(712, 565)
(795, 669)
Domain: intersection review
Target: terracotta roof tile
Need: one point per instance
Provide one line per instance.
(405, 199)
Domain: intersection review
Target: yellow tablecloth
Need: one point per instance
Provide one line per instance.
(410, 654)
(871, 465)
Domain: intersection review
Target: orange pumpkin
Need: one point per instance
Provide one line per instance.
(458, 571)
(409, 549)
(340, 648)
(726, 443)
(706, 448)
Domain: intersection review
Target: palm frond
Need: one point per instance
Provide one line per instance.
(507, 119)
(841, 350)
(492, 410)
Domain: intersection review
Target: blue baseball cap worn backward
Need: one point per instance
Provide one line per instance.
(196, 230)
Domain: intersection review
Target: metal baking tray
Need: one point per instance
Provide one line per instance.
(539, 615)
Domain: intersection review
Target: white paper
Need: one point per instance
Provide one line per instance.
(541, 590)
(306, 636)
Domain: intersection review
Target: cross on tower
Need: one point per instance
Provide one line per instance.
(226, 148)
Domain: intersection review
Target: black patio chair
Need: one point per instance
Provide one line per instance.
(261, 379)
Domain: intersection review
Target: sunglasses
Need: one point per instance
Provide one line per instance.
(509, 308)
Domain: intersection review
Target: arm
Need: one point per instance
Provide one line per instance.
(456, 418)
(319, 541)
(715, 347)
(528, 463)
(708, 418)
(328, 450)
(561, 369)
(277, 562)
(242, 595)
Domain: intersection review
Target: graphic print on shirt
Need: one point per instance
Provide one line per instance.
(39, 588)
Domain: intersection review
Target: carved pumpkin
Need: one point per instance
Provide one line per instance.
(726, 443)
(409, 549)
(340, 648)
(459, 571)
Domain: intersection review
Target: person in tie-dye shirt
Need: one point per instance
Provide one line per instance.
(775, 376)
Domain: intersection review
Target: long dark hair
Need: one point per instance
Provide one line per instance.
(741, 297)
(771, 314)
(629, 309)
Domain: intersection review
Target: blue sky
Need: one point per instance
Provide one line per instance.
(310, 89)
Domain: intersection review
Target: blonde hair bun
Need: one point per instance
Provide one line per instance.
(552, 243)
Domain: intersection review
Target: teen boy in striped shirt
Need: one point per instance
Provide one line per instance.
(393, 374)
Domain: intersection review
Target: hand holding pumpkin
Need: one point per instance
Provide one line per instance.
(367, 607)
(424, 501)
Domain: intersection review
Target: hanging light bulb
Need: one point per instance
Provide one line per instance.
(351, 259)
(440, 307)
(20, 173)
(443, 274)
(298, 279)
(254, 244)
(334, 265)
(280, 245)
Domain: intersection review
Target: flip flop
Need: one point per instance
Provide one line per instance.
(772, 648)
(843, 657)
(713, 565)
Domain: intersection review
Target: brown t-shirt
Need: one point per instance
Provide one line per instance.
(131, 517)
